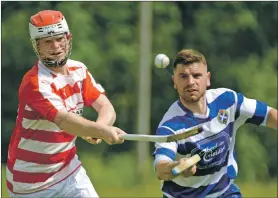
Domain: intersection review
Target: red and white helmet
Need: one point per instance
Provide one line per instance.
(49, 23)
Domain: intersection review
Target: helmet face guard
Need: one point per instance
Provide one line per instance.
(48, 28)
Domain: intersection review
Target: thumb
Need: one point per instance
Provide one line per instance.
(173, 164)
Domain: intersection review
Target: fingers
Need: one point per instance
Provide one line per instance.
(96, 141)
(92, 140)
(165, 176)
(171, 165)
(114, 136)
(119, 131)
(190, 171)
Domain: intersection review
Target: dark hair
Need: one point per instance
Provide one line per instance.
(189, 56)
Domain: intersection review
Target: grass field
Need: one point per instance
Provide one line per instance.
(117, 179)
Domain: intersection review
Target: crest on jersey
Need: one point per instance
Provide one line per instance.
(222, 116)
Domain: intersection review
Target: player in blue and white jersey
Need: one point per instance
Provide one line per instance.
(221, 112)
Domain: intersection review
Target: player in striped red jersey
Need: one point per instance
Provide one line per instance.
(42, 160)
(220, 112)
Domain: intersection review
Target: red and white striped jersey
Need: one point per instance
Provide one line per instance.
(40, 153)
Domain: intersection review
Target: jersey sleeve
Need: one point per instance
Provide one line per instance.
(39, 97)
(166, 150)
(91, 89)
(250, 111)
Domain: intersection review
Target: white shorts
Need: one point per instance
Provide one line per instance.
(76, 185)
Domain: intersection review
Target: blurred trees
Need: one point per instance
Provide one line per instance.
(239, 40)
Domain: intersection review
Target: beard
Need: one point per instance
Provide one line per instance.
(191, 97)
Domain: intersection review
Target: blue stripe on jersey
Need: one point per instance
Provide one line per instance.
(259, 115)
(239, 103)
(175, 190)
(163, 131)
(223, 101)
(165, 151)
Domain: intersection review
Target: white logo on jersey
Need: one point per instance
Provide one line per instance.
(209, 153)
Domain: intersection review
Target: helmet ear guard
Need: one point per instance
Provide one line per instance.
(69, 36)
(49, 23)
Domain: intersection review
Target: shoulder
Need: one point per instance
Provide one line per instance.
(34, 80)
(220, 94)
(74, 64)
(173, 112)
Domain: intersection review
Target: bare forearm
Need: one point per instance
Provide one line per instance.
(272, 119)
(77, 125)
(106, 115)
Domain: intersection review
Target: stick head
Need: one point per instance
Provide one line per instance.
(185, 135)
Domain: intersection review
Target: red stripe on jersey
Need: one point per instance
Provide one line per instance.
(66, 91)
(32, 115)
(9, 186)
(10, 165)
(90, 92)
(26, 177)
(46, 136)
(74, 68)
(41, 158)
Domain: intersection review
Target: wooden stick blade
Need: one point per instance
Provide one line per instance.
(184, 135)
(188, 163)
(162, 138)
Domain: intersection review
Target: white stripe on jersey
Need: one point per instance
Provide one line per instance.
(28, 108)
(245, 107)
(40, 125)
(212, 94)
(169, 145)
(36, 168)
(44, 79)
(159, 158)
(9, 175)
(44, 147)
(73, 100)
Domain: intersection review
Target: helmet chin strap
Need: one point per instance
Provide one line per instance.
(53, 63)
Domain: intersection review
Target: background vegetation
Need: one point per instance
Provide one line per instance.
(239, 40)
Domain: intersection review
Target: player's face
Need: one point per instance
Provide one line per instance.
(191, 81)
(53, 48)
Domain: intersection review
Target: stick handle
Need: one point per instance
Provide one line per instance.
(146, 138)
(188, 163)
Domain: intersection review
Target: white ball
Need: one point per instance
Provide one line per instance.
(161, 61)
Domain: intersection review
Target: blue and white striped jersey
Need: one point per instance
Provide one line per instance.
(226, 112)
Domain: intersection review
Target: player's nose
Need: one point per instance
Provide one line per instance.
(190, 80)
(55, 44)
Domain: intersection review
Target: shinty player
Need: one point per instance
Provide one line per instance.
(42, 160)
(221, 112)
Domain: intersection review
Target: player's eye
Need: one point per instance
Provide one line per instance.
(197, 75)
(59, 39)
(183, 76)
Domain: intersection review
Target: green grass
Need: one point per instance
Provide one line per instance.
(116, 177)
